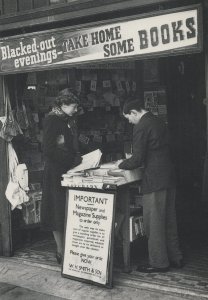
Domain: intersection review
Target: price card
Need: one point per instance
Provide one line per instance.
(127, 87)
(106, 84)
(119, 86)
(78, 86)
(93, 85)
(134, 86)
(84, 139)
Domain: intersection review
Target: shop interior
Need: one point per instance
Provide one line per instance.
(172, 87)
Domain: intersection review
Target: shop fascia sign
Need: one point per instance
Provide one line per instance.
(161, 33)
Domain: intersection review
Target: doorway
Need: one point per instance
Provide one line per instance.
(178, 83)
(184, 77)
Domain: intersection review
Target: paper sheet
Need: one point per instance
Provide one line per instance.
(89, 161)
(111, 165)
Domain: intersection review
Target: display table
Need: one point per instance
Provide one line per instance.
(118, 187)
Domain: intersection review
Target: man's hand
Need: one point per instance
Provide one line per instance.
(118, 163)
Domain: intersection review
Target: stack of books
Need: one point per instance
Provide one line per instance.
(136, 227)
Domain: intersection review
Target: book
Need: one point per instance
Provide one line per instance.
(136, 227)
(89, 161)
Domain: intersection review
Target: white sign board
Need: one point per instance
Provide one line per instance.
(169, 31)
(88, 234)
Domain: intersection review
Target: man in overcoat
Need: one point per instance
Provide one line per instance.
(151, 150)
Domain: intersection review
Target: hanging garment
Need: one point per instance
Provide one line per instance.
(17, 188)
(10, 127)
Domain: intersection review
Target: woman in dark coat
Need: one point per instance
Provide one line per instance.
(61, 154)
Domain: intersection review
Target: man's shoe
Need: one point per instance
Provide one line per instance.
(177, 264)
(150, 269)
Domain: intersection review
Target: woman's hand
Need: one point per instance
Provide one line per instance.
(77, 159)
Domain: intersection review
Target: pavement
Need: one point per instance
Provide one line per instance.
(10, 291)
(21, 280)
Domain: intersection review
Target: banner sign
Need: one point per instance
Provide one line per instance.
(88, 235)
(175, 31)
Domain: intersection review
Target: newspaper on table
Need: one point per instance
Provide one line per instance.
(89, 161)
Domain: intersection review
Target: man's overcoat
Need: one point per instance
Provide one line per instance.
(151, 150)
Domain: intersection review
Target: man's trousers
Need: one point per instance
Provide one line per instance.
(160, 227)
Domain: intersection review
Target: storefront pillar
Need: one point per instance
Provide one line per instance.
(205, 176)
(5, 210)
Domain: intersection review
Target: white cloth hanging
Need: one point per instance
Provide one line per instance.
(17, 188)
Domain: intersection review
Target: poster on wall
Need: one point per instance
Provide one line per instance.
(151, 71)
(169, 31)
(156, 102)
(88, 236)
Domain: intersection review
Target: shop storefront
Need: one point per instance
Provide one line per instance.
(156, 55)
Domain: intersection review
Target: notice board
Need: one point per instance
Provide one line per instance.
(89, 234)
